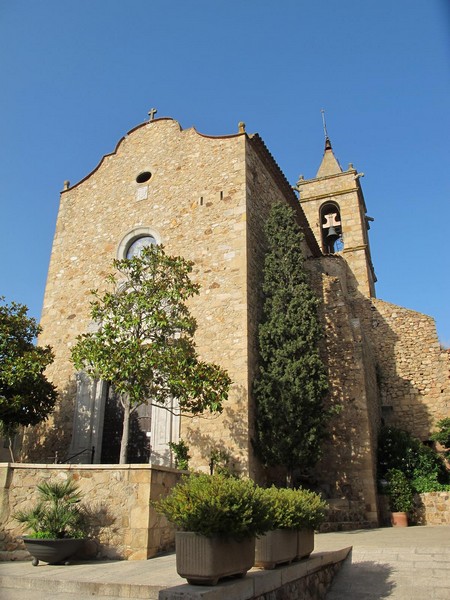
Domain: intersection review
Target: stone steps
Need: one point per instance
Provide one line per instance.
(157, 580)
(48, 587)
(21, 594)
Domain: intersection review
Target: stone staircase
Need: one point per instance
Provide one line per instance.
(345, 515)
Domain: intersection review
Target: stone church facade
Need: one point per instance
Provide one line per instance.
(207, 198)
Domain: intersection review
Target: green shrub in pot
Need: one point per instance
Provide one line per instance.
(216, 505)
(399, 491)
(295, 509)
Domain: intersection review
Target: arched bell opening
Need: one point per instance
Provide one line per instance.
(331, 228)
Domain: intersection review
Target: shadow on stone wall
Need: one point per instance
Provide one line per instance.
(99, 519)
(234, 422)
(360, 349)
(49, 442)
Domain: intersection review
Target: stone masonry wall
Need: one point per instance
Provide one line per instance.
(194, 204)
(312, 586)
(432, 508)
(124, 525)
(413, 370)
(348, 467)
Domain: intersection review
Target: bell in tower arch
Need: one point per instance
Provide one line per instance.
(331, 229)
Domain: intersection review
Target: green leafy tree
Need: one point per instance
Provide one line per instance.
(26, 396)
(144, 344)
(291, 383)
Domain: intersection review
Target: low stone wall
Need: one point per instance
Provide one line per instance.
(124, 525)
(308, 579)
(432, 508)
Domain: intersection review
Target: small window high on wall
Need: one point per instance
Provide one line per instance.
(331, 228)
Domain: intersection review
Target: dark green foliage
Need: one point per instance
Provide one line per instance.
(215, 505)
(26, 396)
(291, 383)
(57, 513)
(421, 465)
(442, 436)
(399, 490)
(181, 452)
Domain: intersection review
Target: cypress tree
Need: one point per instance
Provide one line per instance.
(291, 381)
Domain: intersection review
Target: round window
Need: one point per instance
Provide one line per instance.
(138, 244)
(143, 177)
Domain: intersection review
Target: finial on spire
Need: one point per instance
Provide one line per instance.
(324, 123)
(241, 126)
(151, 113)
(325, 132)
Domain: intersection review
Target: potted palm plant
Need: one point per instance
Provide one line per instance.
(295, 515)
(400, 495)
(57, 522)
(218, 518)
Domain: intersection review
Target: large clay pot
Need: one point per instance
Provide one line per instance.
(276, 547)
(203, 561)
(305, 543)
(399, 519)
(52, 551)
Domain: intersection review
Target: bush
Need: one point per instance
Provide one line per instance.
(295, 509)
(422, 485)
(399, 491)
(182, 456)
(216, 505)
(421, 465)
(442, 436)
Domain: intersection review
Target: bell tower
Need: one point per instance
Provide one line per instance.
(334, 205)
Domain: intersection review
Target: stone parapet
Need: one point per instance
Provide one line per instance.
(124, 524)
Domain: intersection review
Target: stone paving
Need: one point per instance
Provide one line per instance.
(412, 563)
(400, 563)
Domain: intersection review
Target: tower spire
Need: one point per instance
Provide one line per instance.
(329, 164)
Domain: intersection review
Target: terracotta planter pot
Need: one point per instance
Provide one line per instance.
(52, 551)
(305, 543)
(203, 561)
(399, 519)
(276, 547)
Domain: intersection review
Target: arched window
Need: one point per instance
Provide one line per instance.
(331, 228)
(135, 240)
(136, 246)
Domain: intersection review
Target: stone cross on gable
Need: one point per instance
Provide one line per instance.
(151, 113)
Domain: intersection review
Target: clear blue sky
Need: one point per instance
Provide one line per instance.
(77, 75)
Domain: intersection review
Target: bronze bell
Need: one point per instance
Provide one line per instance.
(332, 235)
